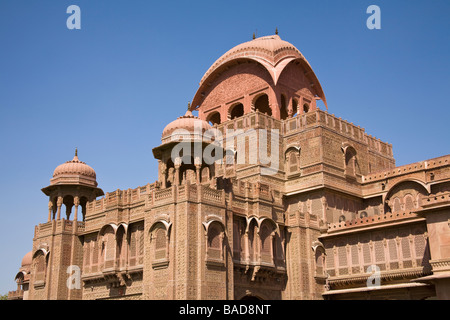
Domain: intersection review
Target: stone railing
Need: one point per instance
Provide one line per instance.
(120, 197)
(372, 220)
(436, 199)
(323, 118)
(15, 295)
(406, 169)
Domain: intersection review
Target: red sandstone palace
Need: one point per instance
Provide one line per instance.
(336, 219)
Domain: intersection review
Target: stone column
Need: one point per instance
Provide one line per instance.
(59, 204)
(198, 166)
(177, 164)
(290, 110)
(50, 209)
(76, 203)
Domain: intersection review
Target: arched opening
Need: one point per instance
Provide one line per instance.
(136, 244)
(108, 247)
(236, 111)
(159, 239)
(215, 241)
(213, 118)
(283, 108)
(252, 229)
(305, 108)
(83, 203)
(204, 174)
(267, 236)
(40, 261)
(320, 261)
(121, 247)
(262, 104)
(350, 161)
(170, 173)
(68, 203)
(295, 107)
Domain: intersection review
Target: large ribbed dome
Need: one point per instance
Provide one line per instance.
(270, 51)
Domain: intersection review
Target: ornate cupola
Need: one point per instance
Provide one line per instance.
(73, 184)
(180, 155)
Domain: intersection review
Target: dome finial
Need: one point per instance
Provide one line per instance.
(76, 152)
(276, 30)
(254, 37)
(188, 112)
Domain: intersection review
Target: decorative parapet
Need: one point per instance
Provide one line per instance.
(434, 200)
(323, 118)
(384, 276)
(371, 221)
(120, 197)
(57, 226)
(440, 265)
(15, 295)
(406, 169)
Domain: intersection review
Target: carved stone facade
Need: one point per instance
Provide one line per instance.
(330, 216)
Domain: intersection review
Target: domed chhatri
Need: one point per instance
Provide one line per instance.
(27, 259)
(74, 172)
(187, 123)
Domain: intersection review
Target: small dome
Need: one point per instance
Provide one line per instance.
(187, 122)
(74, 166)
(26, 261)
(74, 172)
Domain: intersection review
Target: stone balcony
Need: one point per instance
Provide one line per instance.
(15, 295)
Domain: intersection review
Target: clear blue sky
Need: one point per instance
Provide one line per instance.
(111, 87)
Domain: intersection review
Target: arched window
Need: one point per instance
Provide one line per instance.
(397, 207)
(409, 203)
(40, 267)
(121, 251)
(160, 248)
(136, 244)
(215, 242)
(236, 111)
(267, 236)
(108, 247)
(293, 163)
(320, 261)
(213, 118)
(292, 159)
(262, 105)
(350, 161)
(159, 240)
